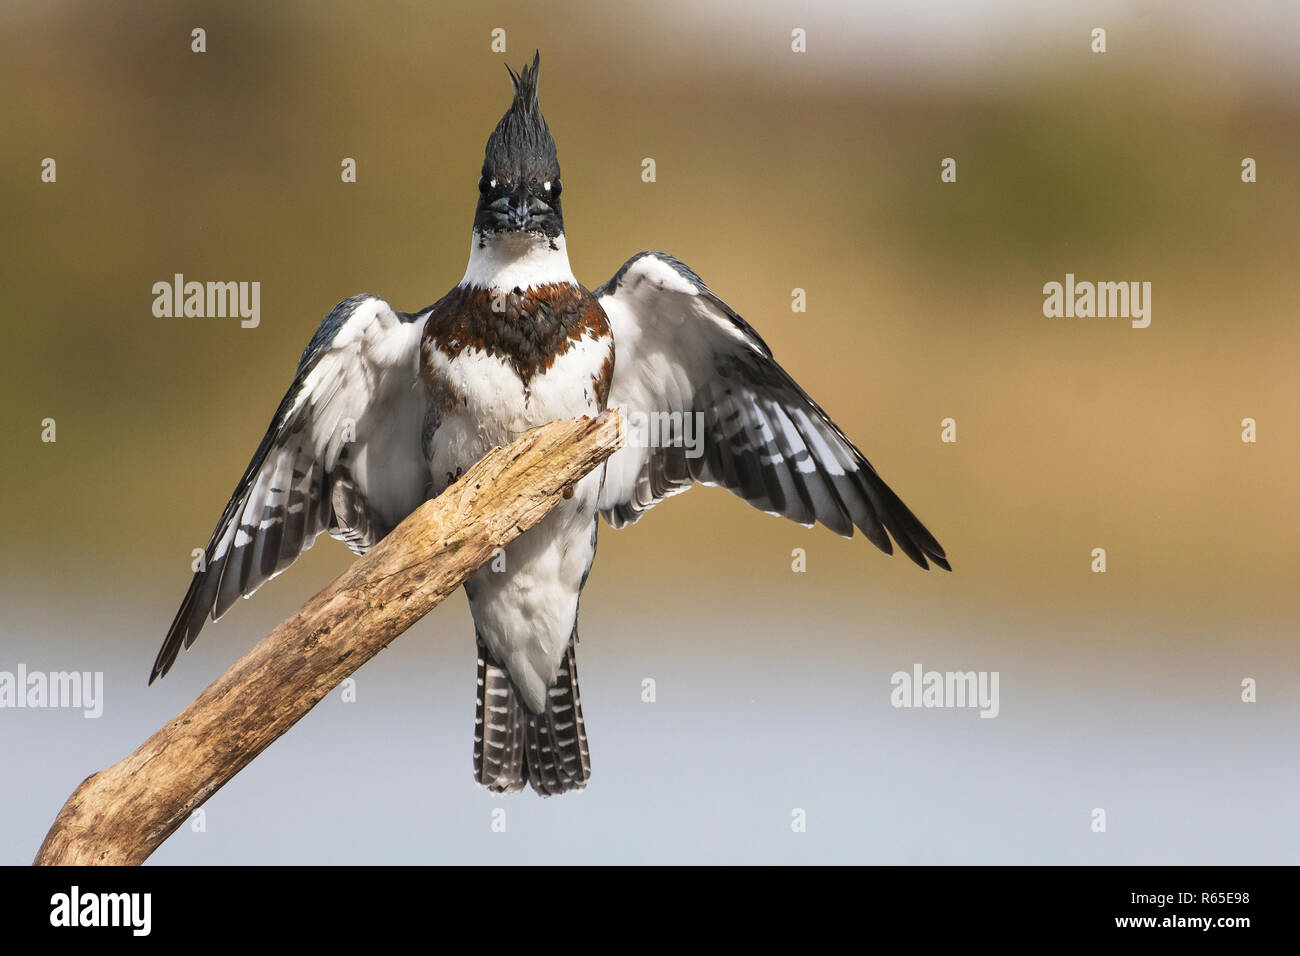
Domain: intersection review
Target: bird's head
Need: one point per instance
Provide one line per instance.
(519, 191)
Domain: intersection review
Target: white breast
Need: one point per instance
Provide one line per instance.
(497, 406)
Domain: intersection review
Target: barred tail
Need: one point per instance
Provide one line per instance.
(513, 746)
(498, 728)
(557, 756)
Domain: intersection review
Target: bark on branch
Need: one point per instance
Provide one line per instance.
(122, 814)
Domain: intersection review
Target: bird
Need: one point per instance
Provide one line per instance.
(388, 408)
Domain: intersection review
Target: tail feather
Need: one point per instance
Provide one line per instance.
(557, 757)
(498, 729)
(513, 746)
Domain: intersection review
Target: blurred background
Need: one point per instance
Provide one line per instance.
(775, 170)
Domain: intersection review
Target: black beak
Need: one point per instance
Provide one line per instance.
(519, 211)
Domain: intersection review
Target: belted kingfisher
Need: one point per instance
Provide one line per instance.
(388, 408)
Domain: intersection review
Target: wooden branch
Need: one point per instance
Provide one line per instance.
(121, 815)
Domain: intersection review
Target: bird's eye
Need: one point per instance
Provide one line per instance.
(485, 184)
(553, 188)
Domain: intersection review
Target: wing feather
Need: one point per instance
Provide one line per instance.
(354, 401)
(681, 349)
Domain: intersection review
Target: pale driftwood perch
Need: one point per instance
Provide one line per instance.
(121, 815)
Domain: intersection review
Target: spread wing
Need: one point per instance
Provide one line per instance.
(705, 401)
(342, 454)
